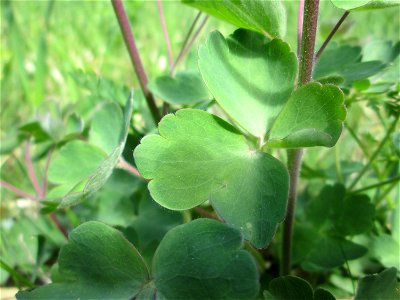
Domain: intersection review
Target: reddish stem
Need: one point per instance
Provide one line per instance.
(123, 164)
(46, 168)
(300, 26)
(31, 170)
(165, 31)
(16, 190)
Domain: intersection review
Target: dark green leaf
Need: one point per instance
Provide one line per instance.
(185, 88)
(294, 288)
(380, 286)
(267, 17)
(313, 116)
(199, 157)
(203, 260)
(97, 263)
(247, 71)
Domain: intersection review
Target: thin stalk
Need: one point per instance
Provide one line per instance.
(300, 26)
(31, 170)
(180, 55)
(385, 193)
(135, 57)
(374, 155)
(331, 34)
(194, 37)
(16, 190)
(310, 17)
(165, 32)
(46, 168)
(375, 185)
(123, 164)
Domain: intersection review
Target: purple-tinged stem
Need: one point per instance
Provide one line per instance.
(165, 31)
(135, 57)
(331, 34)
(17, 190)
(306, 64)
(31, 170)
(300, 26)
(185, 42)
(123, 164)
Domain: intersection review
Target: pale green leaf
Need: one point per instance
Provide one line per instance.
(313, 116)
(267, 17)
(204, 260)
(199, 157)
(364, 4)
(250, 77)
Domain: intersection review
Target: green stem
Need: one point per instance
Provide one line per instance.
(374, 155)
(385, 193)
(130, 43)
(309, 30)
(394, 180)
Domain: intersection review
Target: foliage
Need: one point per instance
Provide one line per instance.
(99, 201)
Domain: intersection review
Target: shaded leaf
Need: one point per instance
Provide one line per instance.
(199, 157)
(204, 260)
(313, 116)
(380, 286)
(97, 263)
(267, 17)
(246, 69)
(185, 88)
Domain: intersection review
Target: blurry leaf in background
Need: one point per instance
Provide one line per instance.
(267, 17)
(208, 257)
(291, 287)
(97, 263)
(364, 4)
(346, 61)
(313, 116)
(386, 250)
(185, 88)
(199, 157)
(101, 167)
(380, 286)
(248, 68)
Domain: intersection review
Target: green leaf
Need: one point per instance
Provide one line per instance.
(331, 252)
(106, 128)
(90, 181)
(199, 157)
(313, 116)
(250, 77)
(203, 259)
(345, 61)
(386, 250)
(364, 4)
(184, 89)
(97, 263)
(380, 286)
(291, 287)
(74, 161)
(267, 17)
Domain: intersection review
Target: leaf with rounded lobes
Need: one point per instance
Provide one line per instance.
(203, 259)
(331, 252)
(364, 4)
(313, 116)
(97, 263)
(292, 287)
(183, 89)
(380, 286)
(266, 17)
(250, 77)
(199, 157)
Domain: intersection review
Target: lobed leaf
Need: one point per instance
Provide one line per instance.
(97, 263)
(380, 286)
(199, 157)
(364, 4)
(204, 260)
(267, 17)
(313, 116)
(246, 70)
